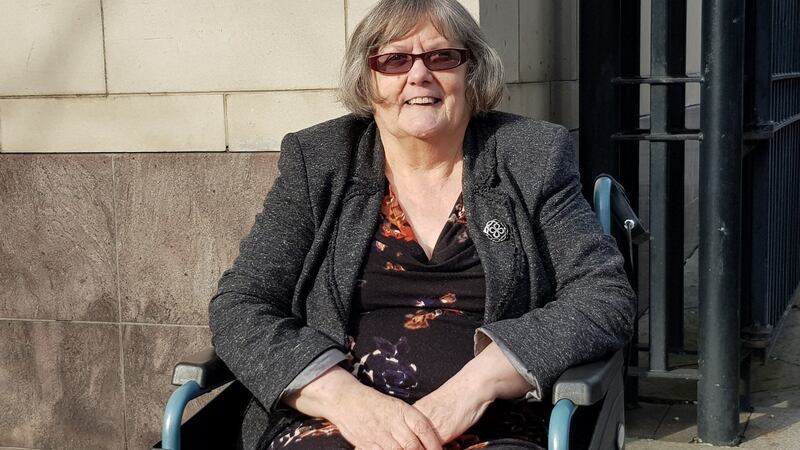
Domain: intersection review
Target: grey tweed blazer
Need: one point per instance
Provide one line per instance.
(556, 292)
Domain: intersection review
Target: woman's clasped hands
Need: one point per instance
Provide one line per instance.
(370, 419)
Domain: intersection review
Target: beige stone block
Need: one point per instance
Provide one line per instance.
(527, 99)
(564, 103)
(536, 39)
(358, 9)
(51, 47)
(499, 20)
(565, 40)
(144, 123)
(473, 6)
(223, 45)
(258, 121)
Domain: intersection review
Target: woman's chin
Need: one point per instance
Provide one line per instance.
(425, 129)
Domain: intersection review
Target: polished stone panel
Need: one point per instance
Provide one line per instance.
(180, 218)
(151, 352)
(56, 245)
(61, 385)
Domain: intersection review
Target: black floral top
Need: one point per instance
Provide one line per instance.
(413, 324)
(414, 318)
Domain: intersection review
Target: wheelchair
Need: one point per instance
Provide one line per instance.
(589, 406)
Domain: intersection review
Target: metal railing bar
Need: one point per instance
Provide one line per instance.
(689, 78)
(646, 135)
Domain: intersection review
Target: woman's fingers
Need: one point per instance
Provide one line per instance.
(405, 439)
(422, 428)
(371, 420)
(407, 443)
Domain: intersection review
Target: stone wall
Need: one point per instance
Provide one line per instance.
(137, 142)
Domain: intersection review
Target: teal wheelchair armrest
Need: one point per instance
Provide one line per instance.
(204, 368)
(586, 385)
(196, 375)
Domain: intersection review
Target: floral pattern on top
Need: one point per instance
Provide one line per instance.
(428, 302)
(388, 368)
(394, 224)
(422, 318)
(314, 428)
(393, 266)
(413, 318)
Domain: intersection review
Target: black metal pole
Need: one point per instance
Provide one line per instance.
(720, 216)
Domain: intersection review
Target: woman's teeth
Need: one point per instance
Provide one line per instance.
(422, 101)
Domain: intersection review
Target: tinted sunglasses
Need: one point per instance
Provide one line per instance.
(396, 63)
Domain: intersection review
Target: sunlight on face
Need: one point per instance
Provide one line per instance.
(422, 103)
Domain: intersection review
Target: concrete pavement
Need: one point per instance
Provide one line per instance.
(667, 416)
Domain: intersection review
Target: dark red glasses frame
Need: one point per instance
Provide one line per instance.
(380, 63)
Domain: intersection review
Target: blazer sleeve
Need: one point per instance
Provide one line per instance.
(591, 312)
(250, 316)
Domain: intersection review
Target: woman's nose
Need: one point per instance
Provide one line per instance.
(419, 73)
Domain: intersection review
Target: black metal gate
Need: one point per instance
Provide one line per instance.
(771, 270)
(749, 219)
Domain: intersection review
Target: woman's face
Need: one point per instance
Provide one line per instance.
(399, 114)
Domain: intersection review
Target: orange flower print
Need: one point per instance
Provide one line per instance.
(459, 215)
(393, 267)
(394, 220)
(422, 318)
(448, 298)
(321, 428)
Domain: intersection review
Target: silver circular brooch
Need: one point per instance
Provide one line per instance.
(495, 231)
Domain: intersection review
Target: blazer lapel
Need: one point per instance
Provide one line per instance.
(358, 218)
(499, 246)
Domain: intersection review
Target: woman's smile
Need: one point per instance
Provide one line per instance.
(422, 103)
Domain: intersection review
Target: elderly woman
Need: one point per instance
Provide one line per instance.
(423, 269)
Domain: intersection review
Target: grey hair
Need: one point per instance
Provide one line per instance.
(390, 20)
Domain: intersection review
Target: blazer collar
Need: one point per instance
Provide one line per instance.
(367, 165)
